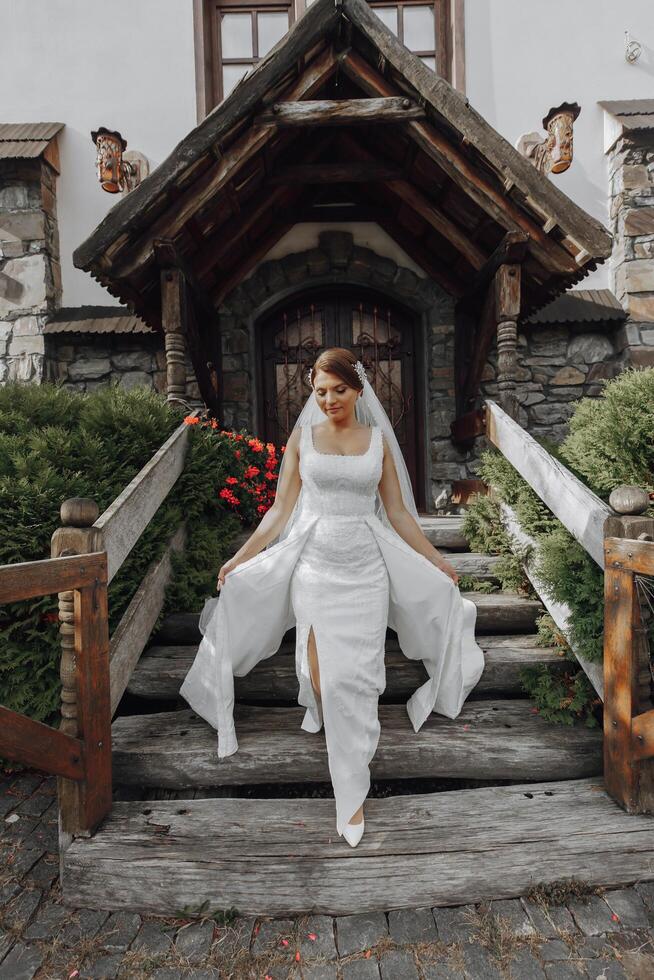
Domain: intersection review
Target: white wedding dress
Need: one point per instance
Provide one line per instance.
(342, 571)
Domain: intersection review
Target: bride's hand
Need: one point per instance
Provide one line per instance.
(225, 569)
(448, 569)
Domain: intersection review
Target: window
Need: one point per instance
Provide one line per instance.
(232, 35)
(241, 34)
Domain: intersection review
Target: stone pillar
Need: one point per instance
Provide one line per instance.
(30, 273)
(631, 175)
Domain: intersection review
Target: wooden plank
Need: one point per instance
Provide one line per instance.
(630, 554)
(337, 112)
(621, 618)
(93, 707)
(440, 849)
(125, 520)
(161, 670)
(577, 507)
(559, 611)
(132, 633)
(489, 740)
(29, 579)
(34, 744)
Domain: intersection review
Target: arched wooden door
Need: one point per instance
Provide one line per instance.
(382, 335)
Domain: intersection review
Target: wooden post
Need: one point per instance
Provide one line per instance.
(627, 675)
(507, 310)
(77, 536)
(173, 303)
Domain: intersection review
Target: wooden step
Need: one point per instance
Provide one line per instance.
(283, 857)
(497, 612)
(489, 740)
(161, 670)
(445, 532)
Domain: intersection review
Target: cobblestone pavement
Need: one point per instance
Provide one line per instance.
(603, 936)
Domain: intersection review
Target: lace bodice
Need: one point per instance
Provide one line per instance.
(334, 484)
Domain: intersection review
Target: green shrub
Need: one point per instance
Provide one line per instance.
(56, 444)
(610, 442)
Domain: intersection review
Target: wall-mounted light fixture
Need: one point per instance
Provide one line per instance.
(118, 171)
(553, 153)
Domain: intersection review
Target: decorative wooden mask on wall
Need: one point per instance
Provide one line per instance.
(552, 154)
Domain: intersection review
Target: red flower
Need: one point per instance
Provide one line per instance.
(191, 420)
(271, 476)
(251, 471)
(237, 453)
(261, 509)
(231, 479)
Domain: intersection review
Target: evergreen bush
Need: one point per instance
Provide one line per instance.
(610, 441)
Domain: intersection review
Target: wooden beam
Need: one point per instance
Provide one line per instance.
(577, 507)
(254, 255)
(179, 318)
(424, 258)
(335, 173)
(34, 744)
(29, 579)
(485, 330)
(336, 112)
(512, 248)
(468, 177)
(427, 210)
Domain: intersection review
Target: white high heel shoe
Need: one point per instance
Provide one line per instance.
(353, 832)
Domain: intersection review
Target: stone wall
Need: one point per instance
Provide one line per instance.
(30, 274)
(86, 362)
(631, 175)
(557, 365)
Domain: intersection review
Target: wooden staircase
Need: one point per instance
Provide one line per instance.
(186, 827)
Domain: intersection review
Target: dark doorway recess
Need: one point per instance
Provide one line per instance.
(383, 334)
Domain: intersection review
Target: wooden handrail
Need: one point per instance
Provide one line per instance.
(620, 538)
(580, 510)
(127, 517)
(83, 759)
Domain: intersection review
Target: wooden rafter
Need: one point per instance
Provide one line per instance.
(428, 211)
(463, 173)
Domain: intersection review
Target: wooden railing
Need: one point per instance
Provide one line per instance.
(86, 553)
(620, 538)
(82, 758)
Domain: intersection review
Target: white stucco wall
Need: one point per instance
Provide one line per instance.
(522, 58)
(127, 65)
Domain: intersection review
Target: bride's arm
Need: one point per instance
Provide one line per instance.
(403, 521)
(273, 521)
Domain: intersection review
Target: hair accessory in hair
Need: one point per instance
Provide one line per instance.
(309, 375)
(361, 371)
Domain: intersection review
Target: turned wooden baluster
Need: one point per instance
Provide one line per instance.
(172, 321)
(507, 307)
(80, 802)
(627, 673)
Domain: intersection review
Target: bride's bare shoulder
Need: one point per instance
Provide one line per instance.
(293, 441)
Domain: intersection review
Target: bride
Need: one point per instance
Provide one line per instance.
(340, 555)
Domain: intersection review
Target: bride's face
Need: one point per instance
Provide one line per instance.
(335, 398)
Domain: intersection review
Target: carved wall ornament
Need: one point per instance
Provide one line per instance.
(118, 171)
(553, 153)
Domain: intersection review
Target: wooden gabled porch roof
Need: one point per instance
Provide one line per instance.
(415, 157)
